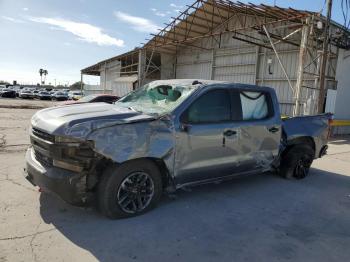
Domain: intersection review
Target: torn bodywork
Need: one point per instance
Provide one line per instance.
(73, 145)
(86, 147)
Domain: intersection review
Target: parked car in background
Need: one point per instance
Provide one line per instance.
(44, 95)
(59, 96)
(8, 92)
(18, 90)
(26, 94)
(94, 99)
(167, 135)
(75, 95)
(35, 93)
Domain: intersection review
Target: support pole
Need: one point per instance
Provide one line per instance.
(140, 69)
(105, 79)
(81, 82)
(300, 71)
(278, 57)
(149, 63)
(256, 69)
(212, 63)
(324, 57)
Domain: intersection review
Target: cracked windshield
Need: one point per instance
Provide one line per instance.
(155, 98)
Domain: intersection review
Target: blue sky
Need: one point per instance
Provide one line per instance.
(64, 36)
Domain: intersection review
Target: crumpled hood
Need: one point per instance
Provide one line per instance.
(81, 119)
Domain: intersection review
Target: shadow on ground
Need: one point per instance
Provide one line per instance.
(340, 140)
(255, 218)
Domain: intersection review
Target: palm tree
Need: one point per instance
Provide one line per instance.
(45, 74)
(41, 73)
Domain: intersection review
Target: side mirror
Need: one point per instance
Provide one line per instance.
(184, 127)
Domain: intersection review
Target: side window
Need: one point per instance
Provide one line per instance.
(254, 105)
(109, 100)
(103, 99)
(212, 107)
(96, 99)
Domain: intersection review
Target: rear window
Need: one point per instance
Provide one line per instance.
(254, 105)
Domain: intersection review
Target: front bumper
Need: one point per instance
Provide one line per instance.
(68, 185)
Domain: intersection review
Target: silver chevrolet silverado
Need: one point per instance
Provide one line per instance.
(164, 136)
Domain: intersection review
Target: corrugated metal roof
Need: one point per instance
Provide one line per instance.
(204, 17)
(95, 69)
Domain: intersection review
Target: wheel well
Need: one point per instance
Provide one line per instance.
(304, 140)
(166, 179)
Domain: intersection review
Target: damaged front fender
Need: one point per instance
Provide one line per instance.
(123, 142)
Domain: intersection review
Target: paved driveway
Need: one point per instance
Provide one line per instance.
(256, 218)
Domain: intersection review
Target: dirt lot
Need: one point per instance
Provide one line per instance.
(256, 218)
(26, 103)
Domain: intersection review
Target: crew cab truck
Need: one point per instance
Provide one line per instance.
(164, 136)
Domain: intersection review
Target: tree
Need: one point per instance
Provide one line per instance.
(2, 82)
(43, 72)
(76, 86)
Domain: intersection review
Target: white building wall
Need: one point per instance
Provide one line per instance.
(109, 72)
(342, 107)
(194, 64)
(168, 65)
(237, 61)
(92, 89)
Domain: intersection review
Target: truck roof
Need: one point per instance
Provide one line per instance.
(205, 82)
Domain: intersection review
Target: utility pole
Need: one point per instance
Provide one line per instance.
(324, 57)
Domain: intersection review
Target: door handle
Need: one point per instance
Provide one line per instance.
(230, 133)
(273, 129)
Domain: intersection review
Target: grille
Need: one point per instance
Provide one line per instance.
(43, 135)
(44, 160)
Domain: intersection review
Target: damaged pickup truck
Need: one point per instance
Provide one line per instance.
(164, 136)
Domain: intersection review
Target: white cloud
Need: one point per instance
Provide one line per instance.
(25, 9)
(85, 32)
(137, 23)
(159, 13)
(11, 19)
(176, 6)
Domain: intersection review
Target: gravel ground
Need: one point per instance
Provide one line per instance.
(256, 218)
(26, 103)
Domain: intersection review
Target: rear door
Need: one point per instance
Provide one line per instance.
(259, 130)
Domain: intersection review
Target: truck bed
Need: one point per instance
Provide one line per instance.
(315, 127)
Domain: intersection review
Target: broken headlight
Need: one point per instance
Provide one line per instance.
(66, 139)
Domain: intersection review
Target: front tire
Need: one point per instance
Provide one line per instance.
(296, 162)
(130, 189)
